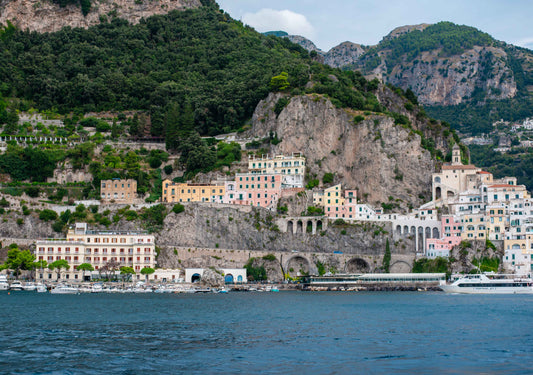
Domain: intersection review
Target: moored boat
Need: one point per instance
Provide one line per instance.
(3, 282)
(29, 286)
(64, 289)
(495, 284)
(41, 288)
(16, 285)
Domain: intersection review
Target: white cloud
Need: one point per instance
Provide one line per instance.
(285, 20)
(525, 42)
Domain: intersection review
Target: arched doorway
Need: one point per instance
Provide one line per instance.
(196, 278)
(239, 279)
(438, 193)
(309, 227)
(299, 227)
(228, 279)
(319, 225)
(436, 233)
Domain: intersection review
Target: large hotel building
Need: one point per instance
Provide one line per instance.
(134, 249)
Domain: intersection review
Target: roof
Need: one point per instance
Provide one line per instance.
(483, 172)
(449, 167)
(502, 186)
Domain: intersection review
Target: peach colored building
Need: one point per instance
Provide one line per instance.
(118, 190)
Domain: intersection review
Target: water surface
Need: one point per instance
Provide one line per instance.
(286, 332)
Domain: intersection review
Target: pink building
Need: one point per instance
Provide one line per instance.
(261, 190)
(451, 236)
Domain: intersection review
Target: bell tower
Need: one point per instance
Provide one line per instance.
(456, 155)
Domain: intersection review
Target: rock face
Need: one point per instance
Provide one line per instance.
(45, 16)
(250, 228)
(344, 54)
(304, 42)
(451, 80)
(375, 156)
(401, 30)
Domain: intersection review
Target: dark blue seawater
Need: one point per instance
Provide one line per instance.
(286, 332)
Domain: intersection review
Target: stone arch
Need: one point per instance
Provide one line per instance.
(436, 233)
(450, 194)
(515, 246)
(309, 226)
(413, 231)
(438, 193)
(239, 279)
(400, 266)
(319, 225)
(427, 232)
(298, 265)
(357, 265)
(290, 226)
(399, 230)
(299, 227)
(195, 278)
(405, 230)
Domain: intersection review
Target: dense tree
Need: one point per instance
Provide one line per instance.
(18, 260)
(58, 265)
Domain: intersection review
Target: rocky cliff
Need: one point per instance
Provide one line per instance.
(46, 16)
(376, 156)
(344, 54)
(450, 80)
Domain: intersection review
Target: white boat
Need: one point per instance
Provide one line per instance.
(495, 284)
(97, 288)
(16, 285)
(3, 282)
(41, 288)
(64, 289)
(29, 287)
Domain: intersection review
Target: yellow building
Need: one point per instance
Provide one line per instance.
(189, 192)
(474, 227)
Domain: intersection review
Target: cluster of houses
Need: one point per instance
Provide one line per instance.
(268, 179)
(467, 204)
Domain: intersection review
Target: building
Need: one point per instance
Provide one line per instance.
(260, 190)
(291, 167)
(451, 229)
(118, 190)
(231, 275)
(189, 192)
(134, 249)
(453, 178)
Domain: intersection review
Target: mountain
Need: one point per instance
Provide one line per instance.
(53, 15)
(461, 74)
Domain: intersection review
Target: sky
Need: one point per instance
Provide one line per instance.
(329, 23)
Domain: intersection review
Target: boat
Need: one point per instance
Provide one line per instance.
(41, 288)
(489, 284)
(3, 282)
(29, 287)
(16, 285)
(64, 289)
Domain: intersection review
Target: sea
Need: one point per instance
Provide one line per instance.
(266, 333)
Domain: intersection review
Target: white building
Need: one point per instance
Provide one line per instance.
(231, 275)
(134, 249)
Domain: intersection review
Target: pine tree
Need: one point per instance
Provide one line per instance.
(386, 258)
